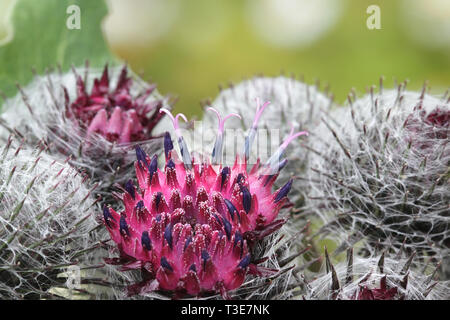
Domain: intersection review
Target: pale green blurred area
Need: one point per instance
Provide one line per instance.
(4, 8)
(190, 47)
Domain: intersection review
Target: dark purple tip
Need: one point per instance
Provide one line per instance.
(168, 145)
(158, 217)
(283, 191)
(268, 178)
(141, 156)
(168, 235)
(123, 226)
(224, 174)
(186, 244)
(153, 167)
(205, 257)
(246, 199)
(171, 164)
(240, 178)
(227, 227)
(217, 218)
(238, 238)
(107, 216)
(193, 268)
(140, 205)
(129, 187)
(231, 208)
(158, 199)
(165, 264)
(244, 262)
(145, 241)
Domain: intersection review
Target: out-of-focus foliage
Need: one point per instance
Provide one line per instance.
(189, 47)
(40, 39)
(212, 42)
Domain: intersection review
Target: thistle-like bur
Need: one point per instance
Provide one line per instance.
(46, 219)
(382, 172)
(196, 229)
(378, 277)
(94, 116)
(293, 104)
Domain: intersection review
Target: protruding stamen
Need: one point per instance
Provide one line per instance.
(222, 121)
(175, 120)
(218, 146)
(275, 160)
(246, 199)
(259, 111)
(141, 156)
(252, 134)
(244, 262)
(123, 226)
(107, 216)
(168, 145)
(283, 191)
(145, 241)
(129, 187)
(185, 155)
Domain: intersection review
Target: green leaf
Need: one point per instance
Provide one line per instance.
(41, 40)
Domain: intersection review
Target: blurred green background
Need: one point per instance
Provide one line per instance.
(190, 47)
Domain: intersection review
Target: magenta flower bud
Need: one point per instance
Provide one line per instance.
(95, 117)
(190, 226)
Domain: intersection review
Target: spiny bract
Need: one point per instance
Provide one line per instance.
(94, 116)
(382, 172)
(197, 228)
(45, 221)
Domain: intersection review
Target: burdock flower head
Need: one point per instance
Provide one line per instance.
(46, 222)
(198, 228)
(93, 116)
(382, 173)
(115, 112)
(379, 277)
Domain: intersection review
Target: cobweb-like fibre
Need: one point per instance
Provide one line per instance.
(381, 172)
(47, 215)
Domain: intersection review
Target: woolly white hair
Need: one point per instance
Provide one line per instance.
(381, 172)
(46, 224)
(292, 103)
(38, 113)
(345, 280)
